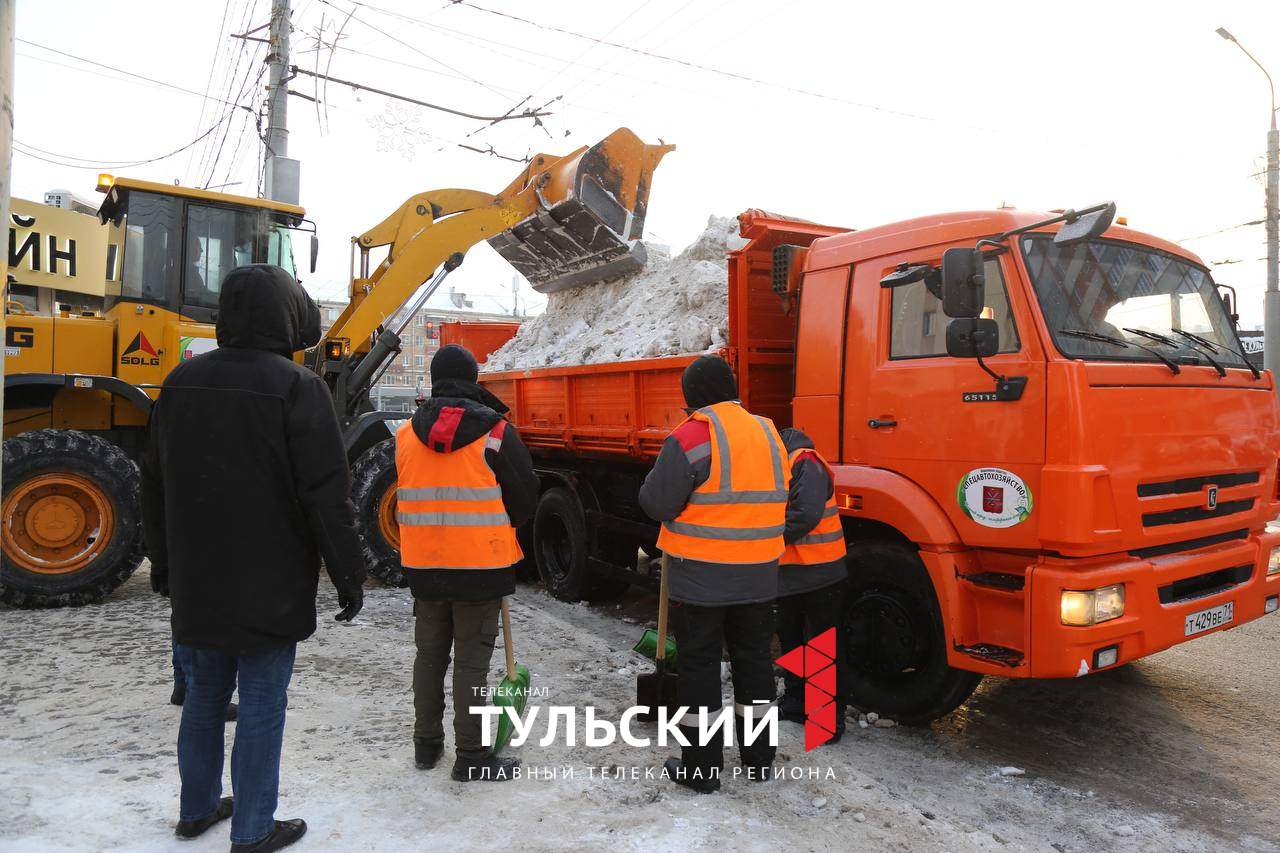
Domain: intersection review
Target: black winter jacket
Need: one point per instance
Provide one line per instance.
(512, 467)
(245, 481)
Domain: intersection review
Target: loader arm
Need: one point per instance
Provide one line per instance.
(563, 222)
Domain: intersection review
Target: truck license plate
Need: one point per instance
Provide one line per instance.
(1206, 620)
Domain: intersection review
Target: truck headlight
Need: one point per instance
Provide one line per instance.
(1090, 606)
(1273, 562)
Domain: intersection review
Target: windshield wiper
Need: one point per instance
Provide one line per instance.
(1211, 345)
(1108, 339)
(1170, 342)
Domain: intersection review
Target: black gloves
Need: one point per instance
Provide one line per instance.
(160, 582)
(351, 600)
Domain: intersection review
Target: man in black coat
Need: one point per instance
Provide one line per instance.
(245, 488)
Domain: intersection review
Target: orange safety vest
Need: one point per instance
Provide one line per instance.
(825, 542)
(739, 513)
(450, 506)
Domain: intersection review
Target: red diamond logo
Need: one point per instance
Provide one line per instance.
(813, 662)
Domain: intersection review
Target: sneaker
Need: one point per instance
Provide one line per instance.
(427, 752)
(285, 833)
(484, 766)
(677, 773)
(192, 828)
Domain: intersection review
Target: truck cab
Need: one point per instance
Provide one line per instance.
(1094, 486)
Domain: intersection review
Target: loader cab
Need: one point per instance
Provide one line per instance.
(171, 247)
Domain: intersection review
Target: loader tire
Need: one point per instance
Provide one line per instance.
(373, 491)
(894, 639)
(71, 519)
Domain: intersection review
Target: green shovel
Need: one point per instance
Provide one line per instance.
(513, 691)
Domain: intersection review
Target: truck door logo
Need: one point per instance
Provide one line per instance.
(142, 345)
(1211, 497)
(994, 497)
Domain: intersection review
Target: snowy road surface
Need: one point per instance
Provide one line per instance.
(1177, 752)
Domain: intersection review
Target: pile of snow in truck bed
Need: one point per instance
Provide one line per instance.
(670, 307)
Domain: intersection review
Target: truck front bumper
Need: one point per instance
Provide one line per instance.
(1160, 593)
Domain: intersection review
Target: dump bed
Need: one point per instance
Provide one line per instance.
(626, 409)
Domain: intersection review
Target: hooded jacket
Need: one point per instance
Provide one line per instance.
(245, 483)
(511, 464)
(809, 492)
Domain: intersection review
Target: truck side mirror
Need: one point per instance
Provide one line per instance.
(973, 337)
(963, 282)
(315, 252)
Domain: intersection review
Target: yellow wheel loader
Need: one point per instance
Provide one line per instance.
(98, 311)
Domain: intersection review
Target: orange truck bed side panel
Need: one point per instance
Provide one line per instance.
(481, 338)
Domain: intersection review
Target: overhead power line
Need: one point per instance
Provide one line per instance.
(1224, 230)
(690, 64)
(533, 114)
(126, 73)
(62, 159)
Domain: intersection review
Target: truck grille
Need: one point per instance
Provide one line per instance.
(1194, 488)
(1200, 586)
(1195, 484)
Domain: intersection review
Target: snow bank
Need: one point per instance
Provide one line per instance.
(670, 307)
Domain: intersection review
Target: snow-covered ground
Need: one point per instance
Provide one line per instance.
(671, 306)
(87, 758)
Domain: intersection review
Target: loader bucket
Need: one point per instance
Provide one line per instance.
(591, 216)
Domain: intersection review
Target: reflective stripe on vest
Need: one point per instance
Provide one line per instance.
(825, 542)
(450, 506)
(739, 513)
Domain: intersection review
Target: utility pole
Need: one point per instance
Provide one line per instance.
(282, 173)
(1271, 308)
(8, 10)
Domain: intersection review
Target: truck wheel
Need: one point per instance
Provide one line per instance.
(373, 491)
(72, 523)
(894, 638)
(560, 545)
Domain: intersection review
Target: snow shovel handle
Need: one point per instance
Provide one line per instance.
(506, 641)
(661, 652)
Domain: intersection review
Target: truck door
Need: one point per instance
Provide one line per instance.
(934, 419)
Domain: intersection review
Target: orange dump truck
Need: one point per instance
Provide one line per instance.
(1051, 456)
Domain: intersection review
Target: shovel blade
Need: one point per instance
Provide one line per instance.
(648, 646)
(656, 690)
(514, 695)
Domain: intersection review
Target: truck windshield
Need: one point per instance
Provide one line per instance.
(1119, 300)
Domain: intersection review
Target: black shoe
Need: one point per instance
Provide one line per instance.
(233, 711)
(285, 833)
(675, 770)
(178, 695)
(791, 707)
(192, 828)
(427, 752)
(483, 765)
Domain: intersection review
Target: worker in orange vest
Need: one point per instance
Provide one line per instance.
(466, 481)
(719, 487)
(812, 571)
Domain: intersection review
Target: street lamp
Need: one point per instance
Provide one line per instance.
(1271, 326)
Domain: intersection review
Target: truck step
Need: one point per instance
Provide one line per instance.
(996, 654)
(998, 580)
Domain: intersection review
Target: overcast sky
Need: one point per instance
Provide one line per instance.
(841, 112)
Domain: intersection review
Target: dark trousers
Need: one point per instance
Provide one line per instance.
(701, 635)
(255, 758)
(470, 629)
(800, 619)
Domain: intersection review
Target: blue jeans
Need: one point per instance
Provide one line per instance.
(181, 664)
(255, 757)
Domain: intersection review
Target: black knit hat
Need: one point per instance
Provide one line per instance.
(454, 362)
(707, 381)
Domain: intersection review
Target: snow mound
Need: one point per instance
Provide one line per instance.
(672, 306)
